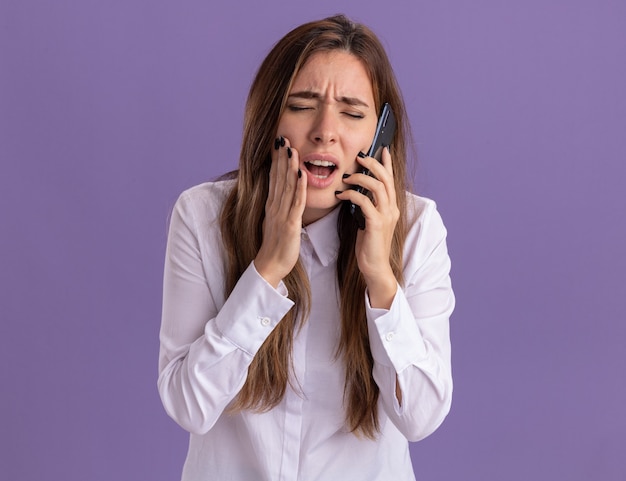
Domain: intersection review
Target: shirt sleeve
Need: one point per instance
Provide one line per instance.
(410, 342)
(207, 343)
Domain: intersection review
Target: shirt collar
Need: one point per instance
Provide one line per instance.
(324, 238)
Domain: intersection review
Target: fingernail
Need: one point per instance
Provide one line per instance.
(338, 192)
(361, 154)
(289, 153)
(345, 176)
(299, 173)
(282, 141)
(276, 144)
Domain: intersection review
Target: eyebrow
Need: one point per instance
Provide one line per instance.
(310, 95)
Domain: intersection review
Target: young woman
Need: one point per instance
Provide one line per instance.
(294, 345)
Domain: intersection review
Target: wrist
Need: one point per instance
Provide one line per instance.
(270, 277)
(382, 291)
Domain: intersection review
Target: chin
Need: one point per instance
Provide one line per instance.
(322, 202)
(319, 206)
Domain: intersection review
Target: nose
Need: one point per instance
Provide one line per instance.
(324, 129)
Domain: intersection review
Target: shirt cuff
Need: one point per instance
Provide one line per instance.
(395, 338)
(252, 311)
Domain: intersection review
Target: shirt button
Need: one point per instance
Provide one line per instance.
(390, 336)
(305, 236)
(265, 321)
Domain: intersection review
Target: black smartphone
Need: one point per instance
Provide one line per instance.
(385, 131)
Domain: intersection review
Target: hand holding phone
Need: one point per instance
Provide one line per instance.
(385, 131)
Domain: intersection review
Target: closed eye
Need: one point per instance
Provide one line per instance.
(298, 108)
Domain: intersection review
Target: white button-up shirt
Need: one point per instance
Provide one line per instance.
(208, 341)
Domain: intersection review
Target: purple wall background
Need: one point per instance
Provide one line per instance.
(109, 109)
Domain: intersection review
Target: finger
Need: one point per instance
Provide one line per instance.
(273, 181)
(368, 208)
(366, 181)
(376, 188)
(389, 182)
(282, 168)
(355, 197)
(299, 201)
(299, 196)
(289, 170)
(383, 187)
(376, 169)
(283, 181)
(387, 161)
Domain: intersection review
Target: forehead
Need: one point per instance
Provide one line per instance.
(337, 70)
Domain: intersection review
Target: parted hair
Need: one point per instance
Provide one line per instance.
(244, 211)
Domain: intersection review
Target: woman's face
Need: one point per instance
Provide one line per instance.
(330, 116)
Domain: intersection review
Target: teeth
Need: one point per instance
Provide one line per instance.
(321, 176)
(322, 163)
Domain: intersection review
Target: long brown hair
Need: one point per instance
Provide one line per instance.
(244, 211)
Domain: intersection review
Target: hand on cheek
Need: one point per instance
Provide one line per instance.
(286, 200)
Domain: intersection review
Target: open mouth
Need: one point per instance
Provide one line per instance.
(321, 169)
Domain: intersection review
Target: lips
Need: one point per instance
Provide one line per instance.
(320, 169)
